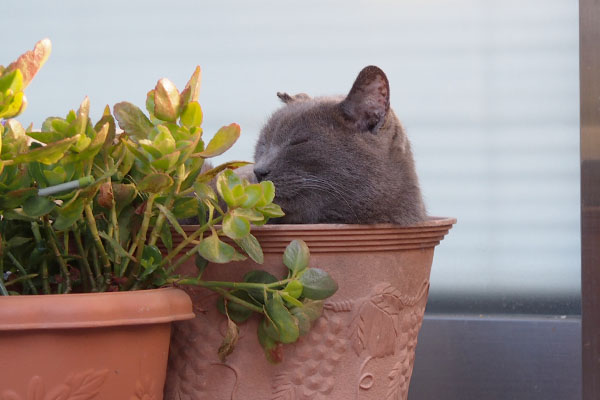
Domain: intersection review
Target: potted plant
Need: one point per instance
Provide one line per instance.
(364, 344)
(87, 297)
(362, 347)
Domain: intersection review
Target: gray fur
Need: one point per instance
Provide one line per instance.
(341, 159)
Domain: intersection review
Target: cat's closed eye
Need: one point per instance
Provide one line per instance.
(299, 140)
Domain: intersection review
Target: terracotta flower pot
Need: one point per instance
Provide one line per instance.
(362, 347)
(88, 346)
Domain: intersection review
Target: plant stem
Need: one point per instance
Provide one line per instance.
(45, 280)
(91, 221)
(1, 258)
(223, 293)
(142, 234)
(84, 260)
(3, 290)
(235, 285)
(115, 233)
(61, 261)
(21, 270)
(160, 220)
(97, 269)
(173, 253)
(35, 228)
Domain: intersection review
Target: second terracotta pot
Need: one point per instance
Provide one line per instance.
(362, 347)
(101, 346)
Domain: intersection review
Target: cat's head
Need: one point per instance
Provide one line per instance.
(340, 159)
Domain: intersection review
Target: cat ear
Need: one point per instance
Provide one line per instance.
(286, 98)
(368, 102)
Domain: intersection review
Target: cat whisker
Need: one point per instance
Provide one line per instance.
(322, 185)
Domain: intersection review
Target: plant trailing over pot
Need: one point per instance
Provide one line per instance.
(84, 207)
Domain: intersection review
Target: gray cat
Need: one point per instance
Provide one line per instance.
(341, 159)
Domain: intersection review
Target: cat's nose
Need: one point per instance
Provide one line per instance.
(261, 173)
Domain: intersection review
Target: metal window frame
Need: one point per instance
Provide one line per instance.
(589, 58)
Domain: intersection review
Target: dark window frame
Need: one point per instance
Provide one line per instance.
(589, 58)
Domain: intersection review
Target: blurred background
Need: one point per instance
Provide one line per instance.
(488, 92)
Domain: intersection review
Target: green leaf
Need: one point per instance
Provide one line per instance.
(12, 80)
(211, 173)
(164, 141)
(317, 284)
(150, 102)
(138, 155)
(302, 320)
(166, 100)
(273, 350)
(222, 141)
(166, 237)
(95, 144)
(294, 289)
(54, 176)
(15, 198)
(155, 183)
(46, 137)
(82, 143)
(236, 312)
(12, 215)
(13, 106)
(281, 325)
(132, 120)
(259, 276)
(151, 259)
(235, 227)
(185, 207)
(69, 214)
(35, 171)
(254, 194)
(290, 299)
(214, 250)
(296, 256)
(124, 194)
(268, 194)
(172, 219)
(204, 191)
(191, 115)
(107, 118)
(152, 254)
(82, 117)
(48, 154)
(231, 188)
(201, 263)
(192, 88)
(16, 241)
(271, 211)
(167, 162)
(249, 214)
(116, 246)
(37, 206)
(148, 145)
(252, 247)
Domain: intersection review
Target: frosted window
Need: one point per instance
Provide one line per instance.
(488, 92)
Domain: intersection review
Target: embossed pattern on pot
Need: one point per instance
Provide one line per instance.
(361, 348)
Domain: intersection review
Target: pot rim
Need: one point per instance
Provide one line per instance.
(431, 222)
(336, 238)
(94, 310)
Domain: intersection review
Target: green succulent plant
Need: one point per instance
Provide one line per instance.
(84, 207)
